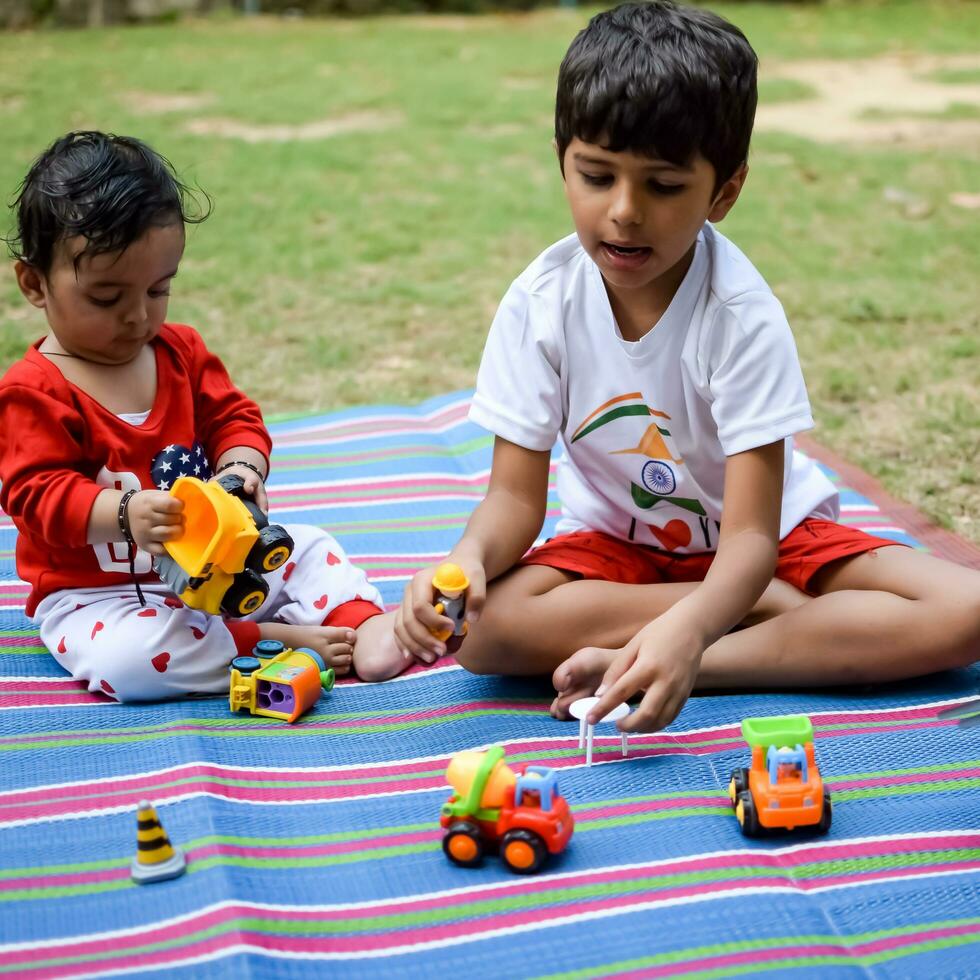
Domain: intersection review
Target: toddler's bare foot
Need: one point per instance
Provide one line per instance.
(377, 655)
(335, 644)
(578, 677)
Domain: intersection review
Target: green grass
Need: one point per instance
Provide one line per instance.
(366, 267)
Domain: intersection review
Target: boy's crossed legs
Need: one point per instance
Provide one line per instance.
(882, 615)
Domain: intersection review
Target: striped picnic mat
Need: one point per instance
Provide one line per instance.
(313, 850)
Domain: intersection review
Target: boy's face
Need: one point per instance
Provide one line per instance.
(113, 304)
(638, 217)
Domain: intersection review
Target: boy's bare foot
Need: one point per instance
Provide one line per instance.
(578, 677)
(377, 655)
(335, 644)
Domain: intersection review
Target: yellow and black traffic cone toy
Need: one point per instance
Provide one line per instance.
(156, 858)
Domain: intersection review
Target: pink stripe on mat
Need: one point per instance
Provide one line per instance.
(377, 426)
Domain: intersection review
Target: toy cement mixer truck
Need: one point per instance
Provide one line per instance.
(493, 808)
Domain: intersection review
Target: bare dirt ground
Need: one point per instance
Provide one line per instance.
(354, 122)
(161, 102)
(318, 129)
(888, 99)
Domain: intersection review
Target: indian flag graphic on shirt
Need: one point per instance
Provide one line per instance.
(657, 475)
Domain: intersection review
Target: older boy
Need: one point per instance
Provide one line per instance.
(651, 347)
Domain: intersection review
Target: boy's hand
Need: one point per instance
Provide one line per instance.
(254, 485)
(417, 615)
(663, 659)
(154, 516)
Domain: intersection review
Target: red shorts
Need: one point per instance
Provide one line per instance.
(809, 547)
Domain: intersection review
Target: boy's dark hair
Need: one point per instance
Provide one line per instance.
(107, 189)
(661, 80)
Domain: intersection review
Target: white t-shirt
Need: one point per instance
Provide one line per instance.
(646, 426)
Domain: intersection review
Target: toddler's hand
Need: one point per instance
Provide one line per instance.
(154, 516)
(417, 617)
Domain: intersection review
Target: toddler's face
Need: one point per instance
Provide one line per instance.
(636, 216)
(113, 304)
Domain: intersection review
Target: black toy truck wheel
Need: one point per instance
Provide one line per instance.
(462, 844)
(256, 513)
(739, 783)
(235, 485)
(523, 851)
(245, 594)
(271, 550)
(747, 816)
(826, 815)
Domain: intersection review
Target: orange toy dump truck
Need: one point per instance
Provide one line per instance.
(783, 790)
(493, 808)
(228, 544)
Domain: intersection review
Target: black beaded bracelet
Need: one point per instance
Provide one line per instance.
(241, 462)
(123, 515)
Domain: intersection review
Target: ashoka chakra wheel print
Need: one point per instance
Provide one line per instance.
(658, 477)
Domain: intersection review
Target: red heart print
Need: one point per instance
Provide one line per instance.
(160, 661)
(675, 534)
(146, 613)
(61, 646)
(173, 603)
(321, 603)
(288, 571)
(332, 559)
(98, 626)
(107, 687)
(198, 634)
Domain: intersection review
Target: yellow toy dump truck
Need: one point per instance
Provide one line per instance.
(228, 544)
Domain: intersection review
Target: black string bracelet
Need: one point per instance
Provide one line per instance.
(241, 462)
(123, 517)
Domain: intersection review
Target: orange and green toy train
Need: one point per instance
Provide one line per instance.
(783, 790)
(277, 682)
(492, 808)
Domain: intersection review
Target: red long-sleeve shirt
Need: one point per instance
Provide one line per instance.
(59, 448)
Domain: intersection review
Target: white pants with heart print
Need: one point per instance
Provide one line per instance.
(165, 649)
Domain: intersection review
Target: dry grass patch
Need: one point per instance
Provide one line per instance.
(847, 91)
(163, 102)
(354, 122)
